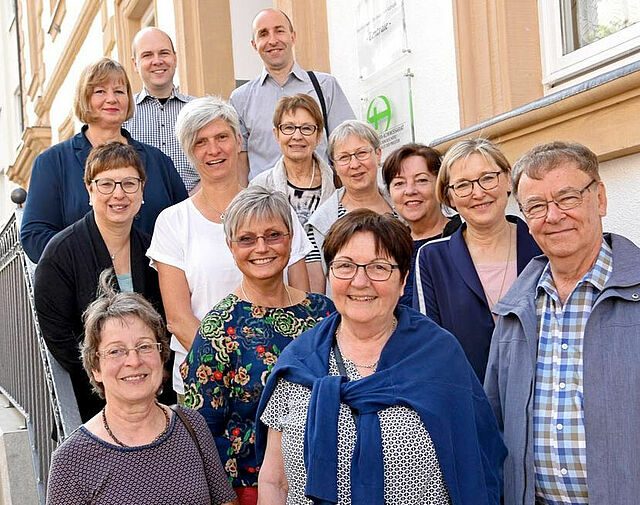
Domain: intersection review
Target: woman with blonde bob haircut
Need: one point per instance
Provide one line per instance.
(300, 173)
(135, 446)
(469, 271)
(57, 195)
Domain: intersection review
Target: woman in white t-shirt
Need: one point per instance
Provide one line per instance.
(188, 248)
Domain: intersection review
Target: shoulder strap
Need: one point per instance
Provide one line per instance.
(187, 425)
(316, 85)
(323, 105)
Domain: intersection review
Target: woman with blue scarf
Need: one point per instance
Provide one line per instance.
(376, 404)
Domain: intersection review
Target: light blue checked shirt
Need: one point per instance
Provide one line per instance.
(558, 414)
(154, 123)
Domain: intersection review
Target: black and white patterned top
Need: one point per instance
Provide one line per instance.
(154, 122)
(411, 469)
(87, 470)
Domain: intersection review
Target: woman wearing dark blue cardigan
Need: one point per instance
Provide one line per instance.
(376, 404)
(460, 278)
(57, 196)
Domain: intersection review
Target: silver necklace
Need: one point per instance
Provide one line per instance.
(113, 256)
(369, 366)
(244, 294)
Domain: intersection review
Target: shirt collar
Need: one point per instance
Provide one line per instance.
(296, 70)
(175, 93)
(597, 276)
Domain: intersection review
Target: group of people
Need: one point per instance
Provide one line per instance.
(326, 332)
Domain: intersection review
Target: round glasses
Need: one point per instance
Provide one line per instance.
(106, 186)
(120, 352)
(376, 271)
(306, 129)
(465, 187)
(567, 200)
(272, 238)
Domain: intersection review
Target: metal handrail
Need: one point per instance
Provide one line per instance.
(30, 377)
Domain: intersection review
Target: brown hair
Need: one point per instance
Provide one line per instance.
(112, 304)
(298, 101)
(393, 164)
(391, 236)
(546, 157)
(461, 151)
(96, 75)
(111, 156)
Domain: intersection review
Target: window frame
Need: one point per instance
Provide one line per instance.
(558, 68)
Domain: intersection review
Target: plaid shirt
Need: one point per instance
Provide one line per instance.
(154, 123)
(558, 414)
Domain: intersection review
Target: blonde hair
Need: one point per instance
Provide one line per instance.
(96, 75)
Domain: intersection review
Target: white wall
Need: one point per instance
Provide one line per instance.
(622, 180)
(246, 62)
(430, 37)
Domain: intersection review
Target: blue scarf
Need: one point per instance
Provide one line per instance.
(421, 367)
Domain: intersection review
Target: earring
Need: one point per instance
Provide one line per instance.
(143, 201)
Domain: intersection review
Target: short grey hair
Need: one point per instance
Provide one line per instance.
(112, 304)
(354, 127)
(197, 114)
(545, 157)
(256, 202)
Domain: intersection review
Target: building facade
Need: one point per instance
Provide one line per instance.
(520, 72)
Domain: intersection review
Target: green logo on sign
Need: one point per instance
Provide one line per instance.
(379, 113)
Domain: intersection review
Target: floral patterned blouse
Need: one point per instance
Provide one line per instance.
(234, 351)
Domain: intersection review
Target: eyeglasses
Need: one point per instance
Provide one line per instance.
(345, 158)
(376, 271)
(121, 352)
(305, 129)
(536, 209)
(107, 186)
(271, 238)
(465, 188)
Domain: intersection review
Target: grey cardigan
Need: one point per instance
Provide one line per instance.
(611, 382)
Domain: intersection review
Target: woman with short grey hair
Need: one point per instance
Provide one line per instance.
(195, 267)
(240, 339)
(135, 446)
(354, 147)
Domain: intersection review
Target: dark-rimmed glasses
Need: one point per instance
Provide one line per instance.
(306, 129)
(271, 238)
(345, 158)
(465, 187)
(570, 199)
(121, 352)
(376, 271)
(106, 186)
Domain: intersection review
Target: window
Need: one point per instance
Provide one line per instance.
(579, 36)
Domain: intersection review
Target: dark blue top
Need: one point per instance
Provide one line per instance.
(447, 289)
(421, 367)
(234, 351)
(57, 195)
(407, 297)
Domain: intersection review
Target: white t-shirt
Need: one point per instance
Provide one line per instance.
(185, 239)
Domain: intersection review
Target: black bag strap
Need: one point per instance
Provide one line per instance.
(192, 433)
(343, 371)
(323, 105)
(316, 85)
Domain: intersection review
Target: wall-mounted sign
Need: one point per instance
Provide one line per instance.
(381, 35)
(387, 107)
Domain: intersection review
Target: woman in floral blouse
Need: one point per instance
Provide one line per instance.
(240, 339)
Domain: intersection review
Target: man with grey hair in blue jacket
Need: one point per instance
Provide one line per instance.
(563, 370)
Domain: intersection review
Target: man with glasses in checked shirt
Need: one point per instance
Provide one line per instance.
(159, 102)
(563, 370)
